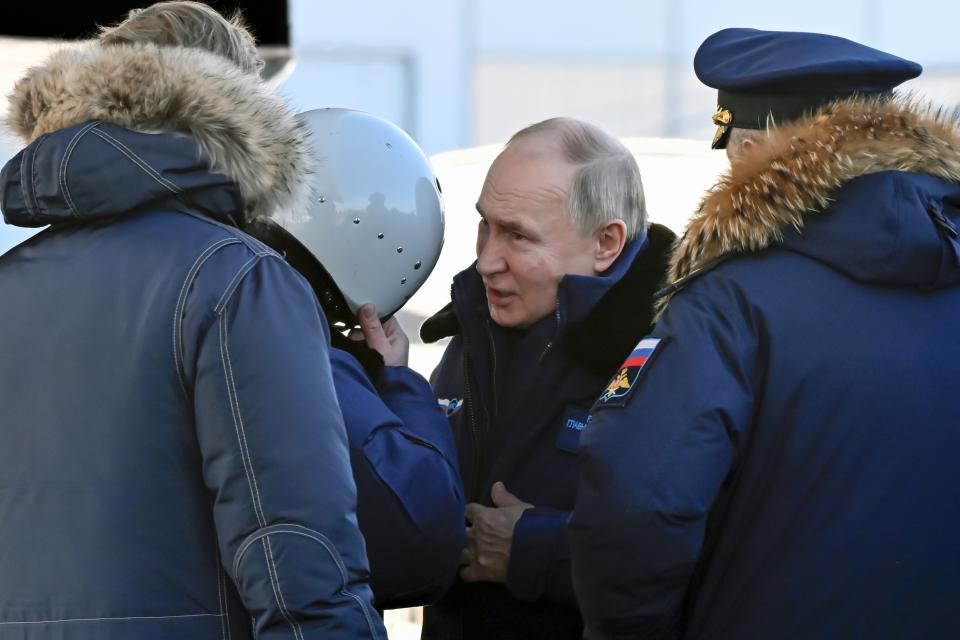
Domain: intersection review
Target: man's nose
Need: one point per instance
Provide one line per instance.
(490, 258)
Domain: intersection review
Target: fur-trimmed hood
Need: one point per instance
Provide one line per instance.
(244, 130)
(798, 170)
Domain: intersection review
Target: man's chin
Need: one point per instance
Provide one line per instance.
(500, 315)
(506, 318)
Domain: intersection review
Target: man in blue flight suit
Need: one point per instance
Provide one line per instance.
(778, 457)
(410, 499)
(561, 289)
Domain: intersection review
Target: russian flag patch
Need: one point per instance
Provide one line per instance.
(449, 406)
(623, 383)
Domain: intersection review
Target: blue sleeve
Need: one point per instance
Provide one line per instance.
(540, 558)
(275, 459)
(411, 501)
(652, 466)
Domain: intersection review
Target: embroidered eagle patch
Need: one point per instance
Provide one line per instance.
(622, 384)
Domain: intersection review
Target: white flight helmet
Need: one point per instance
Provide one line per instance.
(376, 218)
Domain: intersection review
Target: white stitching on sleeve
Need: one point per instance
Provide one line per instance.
(186, 615)
(181, 304)
(325, 542)
(252, 480)
(248, 464)
(216, 558)
(277, 591)
(235, 282)
(226, 601)
(238, 422)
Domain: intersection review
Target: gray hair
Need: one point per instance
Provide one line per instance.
(188, 24)
(607, 183)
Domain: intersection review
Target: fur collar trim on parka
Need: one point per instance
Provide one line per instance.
(796, 169)
(244, 130)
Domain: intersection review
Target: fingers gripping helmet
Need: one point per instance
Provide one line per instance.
(376, 218)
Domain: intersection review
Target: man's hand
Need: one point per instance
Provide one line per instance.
(490, 535)
(388, 338)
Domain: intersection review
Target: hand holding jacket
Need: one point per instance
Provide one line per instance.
(490, 536)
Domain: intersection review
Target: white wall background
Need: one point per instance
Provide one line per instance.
(455, 73)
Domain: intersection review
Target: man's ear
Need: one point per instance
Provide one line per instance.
(611, 237)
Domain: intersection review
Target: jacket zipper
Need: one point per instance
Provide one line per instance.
(474, 430)
(474, 402)
(546, 349)
(493, 360)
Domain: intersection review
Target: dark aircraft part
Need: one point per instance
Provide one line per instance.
(79, 20)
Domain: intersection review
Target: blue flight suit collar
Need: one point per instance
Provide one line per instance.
(576, 294)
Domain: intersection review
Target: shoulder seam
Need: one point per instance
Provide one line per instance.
(188, 281)
(252, 243)
(238, 278)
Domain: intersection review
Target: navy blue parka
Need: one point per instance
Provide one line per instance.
(174, 460)
(518, 401)
(784, 463)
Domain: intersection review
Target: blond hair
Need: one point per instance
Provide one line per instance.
(188, 24)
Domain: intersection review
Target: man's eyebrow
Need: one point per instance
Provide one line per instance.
(518, 227)
(508, 224)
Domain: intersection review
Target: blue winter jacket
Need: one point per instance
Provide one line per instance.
(518, 401)
(410, 499)
(174, 461)
(784, 463)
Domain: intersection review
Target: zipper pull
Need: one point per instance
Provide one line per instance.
(545, 351)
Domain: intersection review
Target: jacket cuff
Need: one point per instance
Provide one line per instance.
(403, 380)
(538, 542)
(409, 396)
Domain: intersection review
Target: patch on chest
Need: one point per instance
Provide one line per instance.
(449, 406)
(625, 380)
(575, 420)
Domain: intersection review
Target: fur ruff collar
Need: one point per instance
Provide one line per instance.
(797, 167)
(242, 128)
